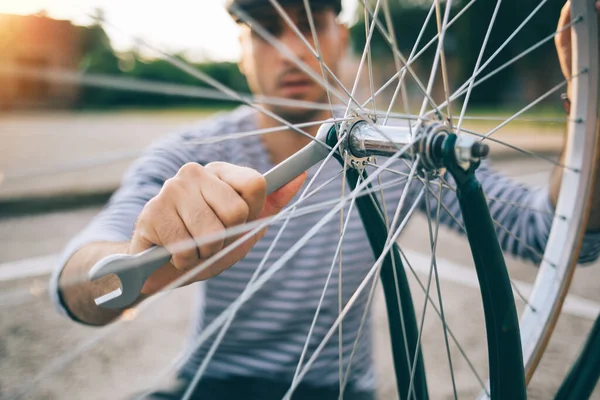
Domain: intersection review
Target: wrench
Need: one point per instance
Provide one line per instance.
(133, 270)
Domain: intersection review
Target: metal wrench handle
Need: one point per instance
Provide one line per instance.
(133, 270)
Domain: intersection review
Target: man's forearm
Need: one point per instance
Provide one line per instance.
(78, 293)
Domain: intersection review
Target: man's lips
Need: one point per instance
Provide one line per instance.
(295, 83)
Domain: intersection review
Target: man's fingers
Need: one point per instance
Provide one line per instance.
(225, 202)
(201, 221)
(167, 229)
(562, 40)
(279, 198)
(248, 183)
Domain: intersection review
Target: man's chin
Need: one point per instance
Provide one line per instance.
(312, 109)
(297, 115)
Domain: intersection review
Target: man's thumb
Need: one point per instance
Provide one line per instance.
(279, 198)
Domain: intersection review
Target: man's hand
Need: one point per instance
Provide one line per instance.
(562, 41)
(202, 201)
(564, 51)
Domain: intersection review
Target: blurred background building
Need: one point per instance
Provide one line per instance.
(37, 42)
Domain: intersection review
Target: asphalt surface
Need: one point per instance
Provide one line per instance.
(52, 358)
(50, 154)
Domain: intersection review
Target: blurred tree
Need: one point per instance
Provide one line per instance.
(97, 57)
(521, 82)
(100, 58)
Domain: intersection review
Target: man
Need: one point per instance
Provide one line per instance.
(181, 190)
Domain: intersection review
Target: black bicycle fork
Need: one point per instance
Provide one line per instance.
(507, 376)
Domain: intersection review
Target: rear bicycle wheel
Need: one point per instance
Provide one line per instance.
(558, 256)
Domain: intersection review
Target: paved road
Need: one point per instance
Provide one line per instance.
(34, 339)
(49, 154)
(52, 148)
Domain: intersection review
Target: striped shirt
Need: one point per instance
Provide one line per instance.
(268, 334)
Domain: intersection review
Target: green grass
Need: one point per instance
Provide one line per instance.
(507, 111)
(164, 110)
(552, 118)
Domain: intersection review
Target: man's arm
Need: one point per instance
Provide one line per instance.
(197, 202)
(593, 223)
(78, 293)
(564, 51)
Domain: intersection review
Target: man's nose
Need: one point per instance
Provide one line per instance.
(297, 46)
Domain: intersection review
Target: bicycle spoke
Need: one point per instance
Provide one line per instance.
(520, 150)
(317, 54)
(343, 228)
(464, 231)
(353, 298)
(491, 199)
(251, 289)
(436, 60)
(344, 376)
(462, 90)
(488, 197)
(62, 361)
(479, 58)
(277, 44)
(401, 84)
(532, 104)
(427, 290)
(441, 34)
(121, 156)
(446, 327)
(521, 241)
(369, 61)
(260, 281)
(190, 70)
(548, 120)
(423, 49)
(337, 253)
(433, 237)
(231, 315)
(391, 226)
(326, 206)
(35, 291)
(414, 117)
(233, 312)
(65, 76)
(407, 64)
(364, 55)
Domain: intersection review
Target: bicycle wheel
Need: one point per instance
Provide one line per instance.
(417, 91)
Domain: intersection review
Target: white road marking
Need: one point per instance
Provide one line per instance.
(27, 268)
(536, 179)
(448, 271)
(452, 272)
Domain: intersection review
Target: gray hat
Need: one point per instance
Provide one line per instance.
(254, 5)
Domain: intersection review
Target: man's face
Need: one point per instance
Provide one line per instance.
(270, 73)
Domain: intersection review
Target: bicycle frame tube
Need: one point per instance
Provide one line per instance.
(584, 374)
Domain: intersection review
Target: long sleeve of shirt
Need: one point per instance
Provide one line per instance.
(522, 215)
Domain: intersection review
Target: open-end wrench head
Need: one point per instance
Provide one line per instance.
(132, 271)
